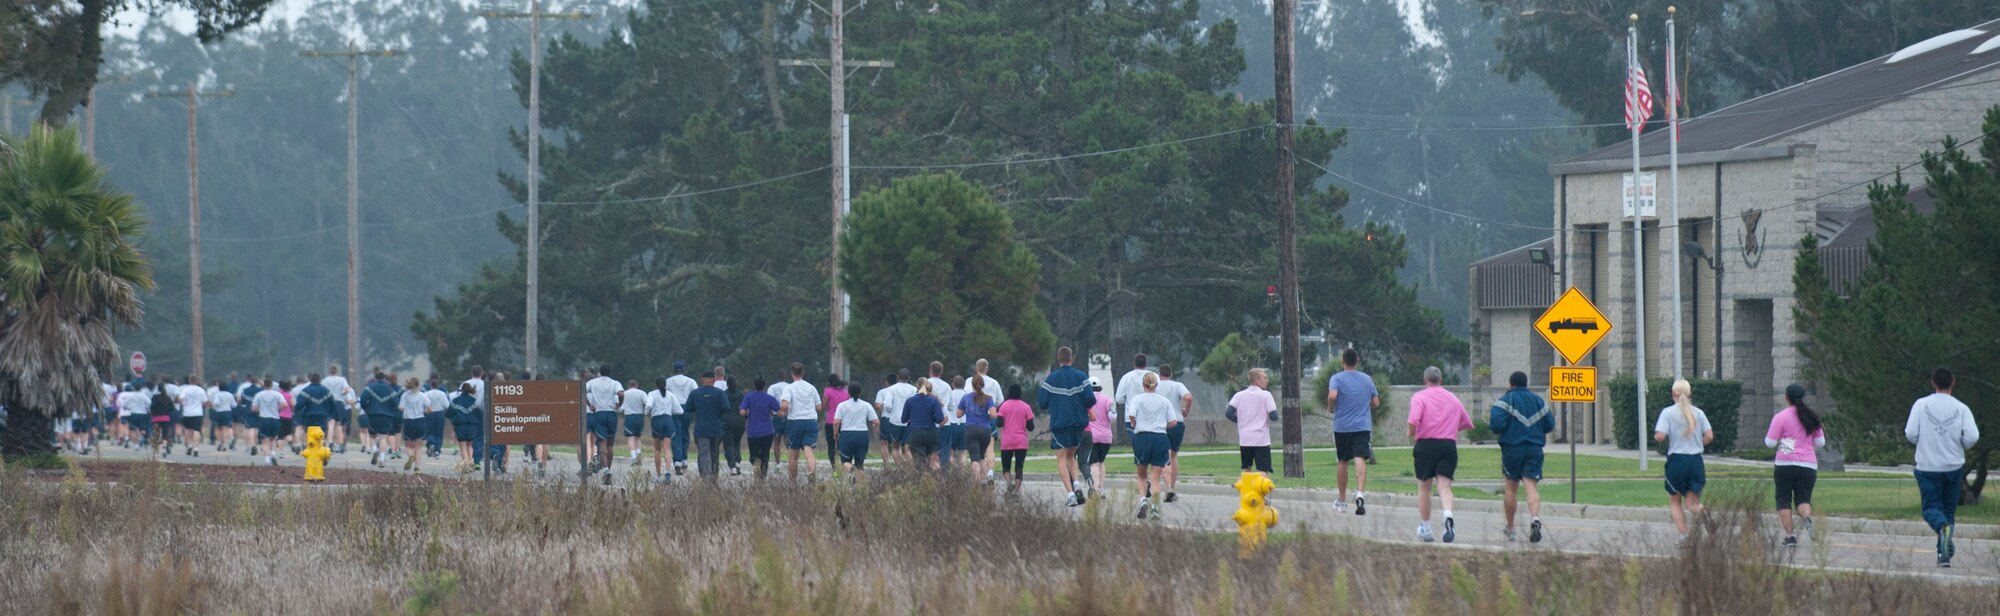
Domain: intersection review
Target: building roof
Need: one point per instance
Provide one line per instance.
(1933, 64)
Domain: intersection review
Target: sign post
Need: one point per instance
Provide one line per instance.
(1574, 326)
(533, 413)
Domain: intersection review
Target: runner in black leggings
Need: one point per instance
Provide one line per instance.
(1015, 419)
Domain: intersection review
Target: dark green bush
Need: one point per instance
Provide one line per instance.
(1719, 399)
(39, 462)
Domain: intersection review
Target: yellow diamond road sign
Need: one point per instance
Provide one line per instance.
(1573, 325)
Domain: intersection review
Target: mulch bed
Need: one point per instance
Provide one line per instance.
(112, 472)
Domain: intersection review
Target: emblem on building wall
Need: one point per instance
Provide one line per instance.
(1753, 238)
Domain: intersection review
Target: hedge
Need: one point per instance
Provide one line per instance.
(1719, 399)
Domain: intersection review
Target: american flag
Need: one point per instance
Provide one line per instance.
(1638, 97)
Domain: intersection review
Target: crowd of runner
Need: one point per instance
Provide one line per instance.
(936, 422)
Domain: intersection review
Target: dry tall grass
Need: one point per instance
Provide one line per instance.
(895, 545)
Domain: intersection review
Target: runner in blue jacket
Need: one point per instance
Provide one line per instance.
(1066, 396)
(1522, 422)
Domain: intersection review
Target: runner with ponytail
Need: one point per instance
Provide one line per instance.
(1797, 434)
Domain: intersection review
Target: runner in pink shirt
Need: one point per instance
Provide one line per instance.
(1253, 410)
(1015, 419)
(1796, 433)
(1436, 418)
(1100, 433)
(830, 399)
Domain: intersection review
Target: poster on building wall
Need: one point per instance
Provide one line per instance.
(1645, 195)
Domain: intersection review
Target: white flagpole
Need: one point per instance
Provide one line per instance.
(1674, 181)
(1638, 233)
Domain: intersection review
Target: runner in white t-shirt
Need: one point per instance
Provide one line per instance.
(193, 402)
(663, 410)
(800, 402)
(348, 398)
(224, 408)
(1180, 402)
(600, 396)
(632, 405)
(269, 405)
(413, 405)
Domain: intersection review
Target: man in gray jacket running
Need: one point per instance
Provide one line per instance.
(1942, 429)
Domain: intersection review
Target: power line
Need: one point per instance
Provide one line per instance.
(1046, 159)
(687, 195)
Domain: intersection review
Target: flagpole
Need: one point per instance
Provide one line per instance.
(1635, 119)
(1674, 180)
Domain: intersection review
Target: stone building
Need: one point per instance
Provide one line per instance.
(1755, 178)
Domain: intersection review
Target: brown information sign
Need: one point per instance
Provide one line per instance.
(535, 412)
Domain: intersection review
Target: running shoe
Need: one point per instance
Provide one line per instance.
(1945, 546)
(1081, 498)
(1535, 531)
(1424, 533)
(1789, 542)
(1450, 530)
(1340, 506)
(1509, 532)
(1805, 525)
(1360, 505)
(375, 459)
(1173, 497)
(1944, 563)
(410, 464)
(607, 476)
(1073, 500)
(1145, 509)
(253, 450)
(735, 472)
(270, 460)
(194, 452)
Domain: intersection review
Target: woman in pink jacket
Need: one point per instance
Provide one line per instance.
(1797, 434)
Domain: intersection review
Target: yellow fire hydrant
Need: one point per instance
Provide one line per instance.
(316, 454)
(1254, 514)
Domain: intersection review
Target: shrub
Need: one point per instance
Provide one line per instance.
(1878, 446)
(39, 462)
(1719, 399)
(1480, 432)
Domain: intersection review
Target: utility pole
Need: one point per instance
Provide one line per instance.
(1288, 240)
(193, 92)
(352, 54)
(533, 332)
(836, 69)
(90, 112)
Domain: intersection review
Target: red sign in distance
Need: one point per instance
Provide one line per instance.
(138, 364)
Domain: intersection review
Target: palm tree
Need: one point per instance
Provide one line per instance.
(69, 273)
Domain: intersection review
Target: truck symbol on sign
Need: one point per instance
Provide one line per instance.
(1581, 324)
